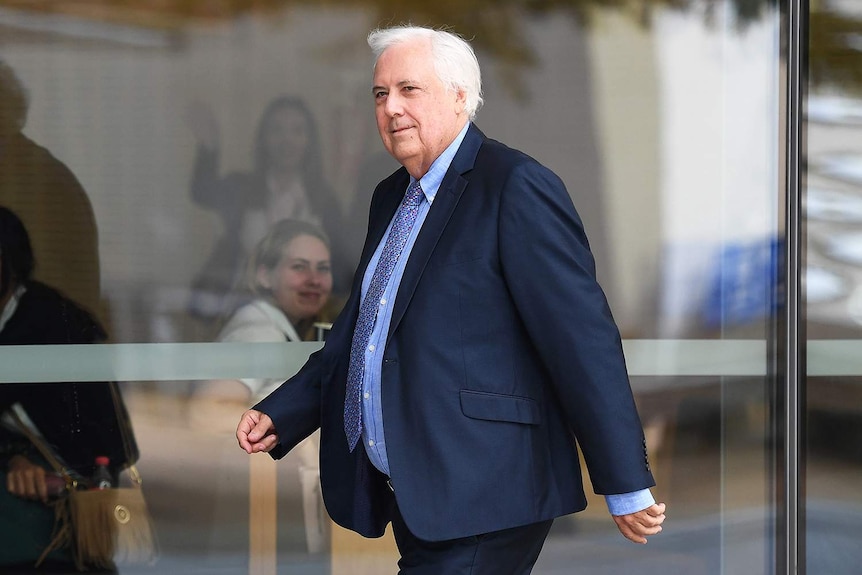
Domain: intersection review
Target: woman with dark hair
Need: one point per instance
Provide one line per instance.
(80, 421)
(287, 182)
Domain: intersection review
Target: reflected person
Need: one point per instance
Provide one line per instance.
(290, 277)
(51, 202)
(78, 420)
(475, 350)
(286, 182)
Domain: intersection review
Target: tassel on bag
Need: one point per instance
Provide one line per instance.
(103, 527)
(111, 526)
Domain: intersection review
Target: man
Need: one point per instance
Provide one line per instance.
(475, 347)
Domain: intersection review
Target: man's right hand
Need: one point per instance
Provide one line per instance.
(256, 432)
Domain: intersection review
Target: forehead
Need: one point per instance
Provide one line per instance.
(305, 246)
(409, 60)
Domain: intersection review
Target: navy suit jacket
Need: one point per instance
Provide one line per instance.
(501, 353)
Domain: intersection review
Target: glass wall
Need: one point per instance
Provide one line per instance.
(833, 187)
(164, 140)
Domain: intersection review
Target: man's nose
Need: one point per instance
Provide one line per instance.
(394, 106)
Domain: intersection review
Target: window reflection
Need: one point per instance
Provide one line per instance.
(663, 127)
(834, 287)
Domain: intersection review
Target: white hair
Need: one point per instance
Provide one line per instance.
(454, 60)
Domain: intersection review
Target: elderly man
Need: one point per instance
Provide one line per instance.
(475, 349)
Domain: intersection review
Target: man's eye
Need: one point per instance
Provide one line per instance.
(378, 95)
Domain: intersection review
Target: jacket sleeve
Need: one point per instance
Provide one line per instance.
(550, 272)
(294, 406)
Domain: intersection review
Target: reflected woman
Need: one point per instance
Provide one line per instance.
(287, 182)
(290, 278)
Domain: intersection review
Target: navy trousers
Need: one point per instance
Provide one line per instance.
(507, 552)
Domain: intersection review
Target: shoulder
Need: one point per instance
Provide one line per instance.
(253, 322)
(499, 167)
(45, 316)
(496, 152)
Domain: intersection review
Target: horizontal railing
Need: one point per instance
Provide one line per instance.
(201, 361)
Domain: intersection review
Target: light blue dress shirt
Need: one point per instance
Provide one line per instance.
(373, 437)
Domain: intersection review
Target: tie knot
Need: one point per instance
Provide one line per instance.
(414, 194)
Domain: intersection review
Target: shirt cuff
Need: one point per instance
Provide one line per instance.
(626, 503)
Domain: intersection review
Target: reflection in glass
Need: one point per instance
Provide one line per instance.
(824, 285)
(662, 126)
(845, 166)
(835, 206)
(833, 499)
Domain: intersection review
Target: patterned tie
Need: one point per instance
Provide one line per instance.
(401, 227)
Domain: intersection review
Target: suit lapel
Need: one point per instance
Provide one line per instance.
(438, 216)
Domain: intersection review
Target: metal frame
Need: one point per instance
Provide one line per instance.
(790, 525)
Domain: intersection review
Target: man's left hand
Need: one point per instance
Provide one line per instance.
(636, 526)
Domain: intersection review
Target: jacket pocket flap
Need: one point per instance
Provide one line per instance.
(499, 407)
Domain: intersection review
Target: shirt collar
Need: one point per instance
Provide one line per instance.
(431, 181)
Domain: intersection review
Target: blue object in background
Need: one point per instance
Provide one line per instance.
(747, 283)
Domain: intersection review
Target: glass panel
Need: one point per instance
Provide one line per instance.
(687, 125)
(833, 475)
(662, 123)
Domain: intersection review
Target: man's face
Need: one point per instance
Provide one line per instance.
(416, 115)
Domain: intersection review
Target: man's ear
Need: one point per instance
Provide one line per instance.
(460, 101)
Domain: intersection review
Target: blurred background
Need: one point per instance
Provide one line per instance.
(184, 125)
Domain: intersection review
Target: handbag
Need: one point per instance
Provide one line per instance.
(102, 527)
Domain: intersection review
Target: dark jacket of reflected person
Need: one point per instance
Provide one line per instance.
(78, 420)
(287, 182)
(50, 201)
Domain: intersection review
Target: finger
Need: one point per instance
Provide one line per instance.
(35, 479)
(266, 444)
(637, 526)
(41, 488)
(628, 532)
(644, 530)
(246, 423)
(242, 438)
(651, 517)
(29, 489)
(14, 484)
(262, 428)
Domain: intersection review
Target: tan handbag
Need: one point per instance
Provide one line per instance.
(103, 527)
(112, 526)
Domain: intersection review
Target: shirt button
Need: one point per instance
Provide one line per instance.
(371, 443)
(371, 347)
(383, 301)
(366, 395)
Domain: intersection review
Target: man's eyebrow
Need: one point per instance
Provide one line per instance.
(401, 83)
